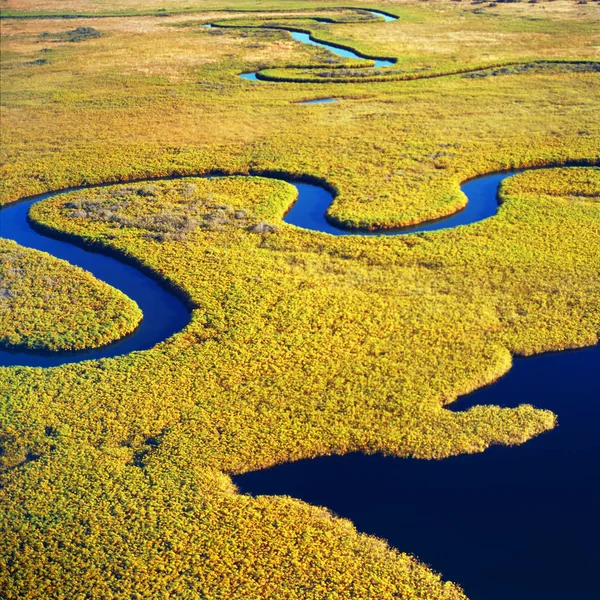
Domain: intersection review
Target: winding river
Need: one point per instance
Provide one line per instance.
(164, 313)
(307, 38)
(512, 523)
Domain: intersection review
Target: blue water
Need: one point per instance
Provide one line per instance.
(164, 313)
(519, 523)
(515, 523)
(306, 38)
(482, 193)
(386, 17)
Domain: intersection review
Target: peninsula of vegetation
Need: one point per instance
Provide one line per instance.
(280, 342)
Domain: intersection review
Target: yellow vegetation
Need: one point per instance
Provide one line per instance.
(47, 304)
(301, 345)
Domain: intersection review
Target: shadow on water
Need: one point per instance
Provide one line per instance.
(518, 523)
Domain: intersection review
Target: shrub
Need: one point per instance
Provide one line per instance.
(147, 190)
(263, 227)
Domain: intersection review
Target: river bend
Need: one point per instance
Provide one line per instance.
(164, 312)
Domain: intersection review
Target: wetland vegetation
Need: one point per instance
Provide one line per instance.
(117, 472)
(46, 304)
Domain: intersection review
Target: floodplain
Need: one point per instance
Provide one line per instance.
(296, 344)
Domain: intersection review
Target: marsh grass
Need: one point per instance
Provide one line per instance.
(46, 304)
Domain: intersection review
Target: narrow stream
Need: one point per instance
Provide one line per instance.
(319, 101)
(307, 38)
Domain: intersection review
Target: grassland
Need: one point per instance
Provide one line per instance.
(46, 304)
(300, 344)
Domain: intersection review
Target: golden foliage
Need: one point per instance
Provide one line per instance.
(47, 304)
(300, 344)
(280, 362)
(161, 532)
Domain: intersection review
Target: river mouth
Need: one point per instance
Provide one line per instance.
(518, 523)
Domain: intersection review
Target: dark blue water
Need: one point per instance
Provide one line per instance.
(516, 523)
(164, 313)
(513, 523)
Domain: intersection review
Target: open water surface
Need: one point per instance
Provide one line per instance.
(519, 523)
(164, 313)
(512, 523)
(320, 101)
